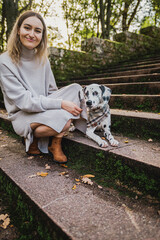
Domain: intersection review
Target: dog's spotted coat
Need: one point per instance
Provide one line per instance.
(99, 117)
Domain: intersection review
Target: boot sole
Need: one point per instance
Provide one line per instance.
(55, 160)
(32, 154)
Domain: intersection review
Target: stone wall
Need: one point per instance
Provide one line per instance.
(68, 64)
(97, 53)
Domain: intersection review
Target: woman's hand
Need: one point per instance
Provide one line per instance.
(71, 107)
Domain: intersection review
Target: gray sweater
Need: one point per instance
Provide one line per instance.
(26, 86)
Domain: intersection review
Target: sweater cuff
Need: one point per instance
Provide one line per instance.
(49, 103)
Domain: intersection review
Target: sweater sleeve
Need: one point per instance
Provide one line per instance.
(50, 79)
(21, 97)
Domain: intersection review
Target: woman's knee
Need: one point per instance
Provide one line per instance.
(67, 126)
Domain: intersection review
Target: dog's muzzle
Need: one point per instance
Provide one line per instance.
(89, 103)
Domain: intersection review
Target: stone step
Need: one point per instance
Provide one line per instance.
(148, 103)
(125, 72)
(137, 87)
(132, 63)
(144, 125)
(119, 79)
(123, 122)
(121, 68)
(88, 211)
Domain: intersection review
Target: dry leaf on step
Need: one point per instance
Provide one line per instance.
(150, 140)
(63, 173)
(31, 157)
(88, 176)
(6, 220)
(74, 187)
(42, 174)
(87, 180)
(32, 176)
(47, 167)
(77, 180)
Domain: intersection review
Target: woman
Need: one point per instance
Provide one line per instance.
(37, 109)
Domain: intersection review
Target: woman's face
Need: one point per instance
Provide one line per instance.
(31, 32)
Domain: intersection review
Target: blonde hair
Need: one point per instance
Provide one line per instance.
(14, 45)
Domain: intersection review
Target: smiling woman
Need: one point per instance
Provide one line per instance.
(30, 32)
(38, 110)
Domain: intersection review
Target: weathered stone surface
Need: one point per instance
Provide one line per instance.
(86, 212)
(151, 31)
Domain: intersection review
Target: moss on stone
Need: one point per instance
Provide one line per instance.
(110, 169)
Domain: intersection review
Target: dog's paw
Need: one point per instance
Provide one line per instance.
(114, 143)
(103, 144)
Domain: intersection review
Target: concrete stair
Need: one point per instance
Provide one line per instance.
(89, 211)
(135, 86)
(97, 211)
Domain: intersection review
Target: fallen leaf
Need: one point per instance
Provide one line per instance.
(63, 173)
(6, 221)
(31, 157)
(87, 180)
(5, 145)
(126, 141)
(42, 174)
(150, 140)
(47, 167)
(63, 165)
(74, 187)
(78, 183)
(77, 180)
(103, 138)
(100, 187)
(88, 176)
(32, 176)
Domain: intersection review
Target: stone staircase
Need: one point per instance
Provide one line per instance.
(135, 96)
(88, 211)
(135, 86)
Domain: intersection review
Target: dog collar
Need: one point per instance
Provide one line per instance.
(94, 121)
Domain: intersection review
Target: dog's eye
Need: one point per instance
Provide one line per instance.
(95, 93)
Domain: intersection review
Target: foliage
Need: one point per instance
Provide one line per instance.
(10, 10)
(111, 170)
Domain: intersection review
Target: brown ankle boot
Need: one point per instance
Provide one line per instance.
(33, 149)
(56, 150)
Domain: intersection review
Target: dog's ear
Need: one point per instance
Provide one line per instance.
(81, 94)
(106, 93)
(102, 87)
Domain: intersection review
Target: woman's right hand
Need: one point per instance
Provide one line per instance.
(71, 107)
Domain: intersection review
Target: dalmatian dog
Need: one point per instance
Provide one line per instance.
(99, 118)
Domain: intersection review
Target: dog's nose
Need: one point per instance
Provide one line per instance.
(89, 103)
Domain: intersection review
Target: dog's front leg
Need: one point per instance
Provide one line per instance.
(90, 134)
(107, 132)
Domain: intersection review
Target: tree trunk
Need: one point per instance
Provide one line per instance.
(102, 18)
(108, 19)
(124, 16)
